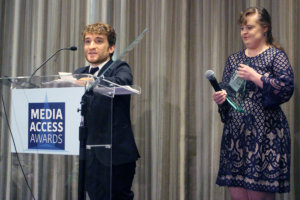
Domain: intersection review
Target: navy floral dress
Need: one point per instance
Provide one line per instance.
(256, 147)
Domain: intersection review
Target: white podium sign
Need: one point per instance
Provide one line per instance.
(47, 122)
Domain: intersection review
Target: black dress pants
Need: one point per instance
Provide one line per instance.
(99, 186)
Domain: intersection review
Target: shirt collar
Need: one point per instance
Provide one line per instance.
(100, 67)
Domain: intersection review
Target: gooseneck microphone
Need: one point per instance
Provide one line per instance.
(73, 48)
(210, 75)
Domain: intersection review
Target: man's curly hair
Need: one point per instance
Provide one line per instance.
(101, 28)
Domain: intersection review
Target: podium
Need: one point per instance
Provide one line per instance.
(41, 114)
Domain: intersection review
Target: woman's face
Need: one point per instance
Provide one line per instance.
(252, 32)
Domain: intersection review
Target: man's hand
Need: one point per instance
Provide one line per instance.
(84, 80)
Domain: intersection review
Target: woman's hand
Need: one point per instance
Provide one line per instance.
(247, 73)
(220, 97)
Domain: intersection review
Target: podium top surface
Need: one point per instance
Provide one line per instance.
(52, 81)
(106, 87)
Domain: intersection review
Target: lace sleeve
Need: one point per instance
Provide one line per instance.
(279, 87)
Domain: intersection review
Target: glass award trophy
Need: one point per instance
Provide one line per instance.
(236, 91)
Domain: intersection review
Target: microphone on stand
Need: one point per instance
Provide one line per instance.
(73, 48)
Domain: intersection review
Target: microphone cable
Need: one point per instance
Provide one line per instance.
(5, 113)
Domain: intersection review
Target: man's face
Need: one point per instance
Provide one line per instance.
(97, 49)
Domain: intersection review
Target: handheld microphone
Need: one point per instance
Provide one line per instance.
(210, 75)
(72, 48)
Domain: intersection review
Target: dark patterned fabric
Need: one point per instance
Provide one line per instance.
(255, 148)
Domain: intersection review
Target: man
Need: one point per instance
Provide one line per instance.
(99, 45)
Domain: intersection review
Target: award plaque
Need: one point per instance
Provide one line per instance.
(236, 92)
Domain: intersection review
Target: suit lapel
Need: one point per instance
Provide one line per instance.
(105, 67)
(85, 70)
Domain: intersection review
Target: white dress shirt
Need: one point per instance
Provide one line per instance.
(100, 67)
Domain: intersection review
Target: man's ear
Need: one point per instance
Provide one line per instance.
(111, 49)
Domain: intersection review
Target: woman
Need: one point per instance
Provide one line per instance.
(255, 148)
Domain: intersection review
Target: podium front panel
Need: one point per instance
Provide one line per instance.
(45, 120)
(40, 122)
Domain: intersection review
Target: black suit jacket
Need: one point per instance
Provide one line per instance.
(124, 149)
